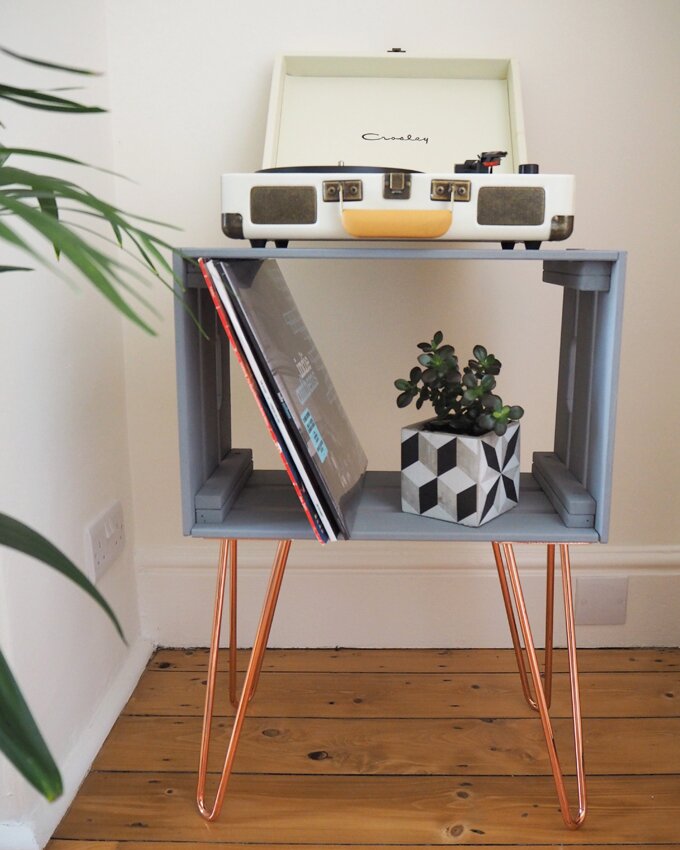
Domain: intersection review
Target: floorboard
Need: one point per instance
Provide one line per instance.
(389, 749)
(443, 695)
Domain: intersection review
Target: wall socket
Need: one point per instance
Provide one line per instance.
(105, 540)
(600, 600)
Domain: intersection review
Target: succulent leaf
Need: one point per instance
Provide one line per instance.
(463, 403)
(486, 422)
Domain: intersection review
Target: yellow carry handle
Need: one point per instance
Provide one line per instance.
(396, 224)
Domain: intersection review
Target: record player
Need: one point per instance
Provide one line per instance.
(428, 119)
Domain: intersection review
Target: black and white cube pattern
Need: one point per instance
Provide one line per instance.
(469, 480)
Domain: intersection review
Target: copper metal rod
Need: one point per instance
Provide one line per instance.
(223, 562)
(565, 568)
(251, 678)
(233, 643)
(549, 609)
(549, 622)
(569, 820)
(519, 655)
(268, 613)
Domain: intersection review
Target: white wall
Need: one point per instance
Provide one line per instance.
(189, 91)
(64, 454)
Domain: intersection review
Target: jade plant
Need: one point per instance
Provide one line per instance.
(464, 401)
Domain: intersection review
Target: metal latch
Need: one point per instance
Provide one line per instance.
(352, 190)
(397, 185)
(440, 190)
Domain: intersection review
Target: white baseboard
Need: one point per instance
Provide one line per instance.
(397, 594)
(36, 829)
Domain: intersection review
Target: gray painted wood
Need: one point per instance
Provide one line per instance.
(587, 275)
(606, 356)
(203, 393)
(192, 473)
(555, 495)
(585, 415)
(578, 456)
(565, 375)
(268, 508)
(573, 496)
(215, 498)
(375, 253)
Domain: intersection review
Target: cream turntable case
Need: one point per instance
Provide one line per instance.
(396, 147)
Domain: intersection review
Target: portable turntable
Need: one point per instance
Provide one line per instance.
(426, 117)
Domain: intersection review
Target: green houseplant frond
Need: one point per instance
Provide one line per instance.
(20, 738)
(59, 211)
(38, 201)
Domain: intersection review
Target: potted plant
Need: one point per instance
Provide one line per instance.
(462, 465)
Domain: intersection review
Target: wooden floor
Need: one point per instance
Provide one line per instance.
(389, 748)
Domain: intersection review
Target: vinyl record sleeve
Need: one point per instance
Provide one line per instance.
(317, 513)
(267, 308)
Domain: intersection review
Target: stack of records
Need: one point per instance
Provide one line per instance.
(287, 376)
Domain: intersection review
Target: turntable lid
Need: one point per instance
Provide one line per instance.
(412, 112)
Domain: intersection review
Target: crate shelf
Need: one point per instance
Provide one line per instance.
(566, 499)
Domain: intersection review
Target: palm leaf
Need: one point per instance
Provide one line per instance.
(37, 99)
(20, 738)
(43, 64)
(6, 152)
(15, 269)
(21, 741)
(10, 176)
(20, 537)
(13, 238)
(95, 266)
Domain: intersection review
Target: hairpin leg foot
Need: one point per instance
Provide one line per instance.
(227, 563)
(505, 557)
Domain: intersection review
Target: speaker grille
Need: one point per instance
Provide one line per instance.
(283, 205)
(510, 205)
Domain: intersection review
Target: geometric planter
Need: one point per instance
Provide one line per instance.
(454, 477)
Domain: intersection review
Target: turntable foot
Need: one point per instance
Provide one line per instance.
(507, 246)
(532, 246)
(281, 243)
(258, 243)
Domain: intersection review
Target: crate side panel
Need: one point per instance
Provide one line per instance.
(605, 377)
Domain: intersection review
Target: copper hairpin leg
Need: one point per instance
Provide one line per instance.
(505, 557)
(517, 646)
(227, 563)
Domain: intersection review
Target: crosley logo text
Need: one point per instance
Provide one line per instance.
(376, 137)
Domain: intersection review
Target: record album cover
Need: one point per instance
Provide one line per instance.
(313, 413)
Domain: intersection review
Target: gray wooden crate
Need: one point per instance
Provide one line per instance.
(567, 496)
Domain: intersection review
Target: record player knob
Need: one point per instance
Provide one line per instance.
(528, 168)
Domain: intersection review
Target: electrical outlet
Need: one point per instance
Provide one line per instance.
(600, 601)
(106, 540)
